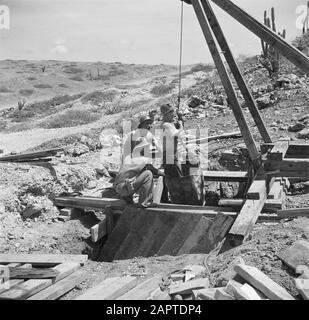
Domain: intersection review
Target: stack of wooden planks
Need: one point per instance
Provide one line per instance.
(32, 157)
(39, 276)
(189, 284)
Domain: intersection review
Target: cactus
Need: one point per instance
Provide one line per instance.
(270, 58)
(21, 104)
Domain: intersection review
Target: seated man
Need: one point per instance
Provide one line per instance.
(136, 176)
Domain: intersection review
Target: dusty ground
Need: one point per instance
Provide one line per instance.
(91, 145)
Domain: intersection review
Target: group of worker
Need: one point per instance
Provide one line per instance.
(137, 171)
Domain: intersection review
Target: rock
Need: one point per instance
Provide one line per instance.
(263, 102)
(31, 210)
(195, 102)
(297, 127)
(304, 134)
(305, 117)
(91, 184)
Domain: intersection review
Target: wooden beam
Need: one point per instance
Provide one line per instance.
(302, 286)
(263, 32)
(270, 205)
(143, 290)
(279, 151)
(235, 134)
(276, 191)
(248, 216)
(31, 155)
(256, 190)
(229, 176)
(188, 286)
(235, 70)
(25, 272)
(61, 287)
(98, 231)
(109, 289)
(226, 81)
(158, 190)
(262, 282)
(295, 255)
(89, 202)
(42, 259)
(292, 213)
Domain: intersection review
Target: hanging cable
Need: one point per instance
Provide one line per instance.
(180, 53)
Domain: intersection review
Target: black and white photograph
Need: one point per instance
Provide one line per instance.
(156, 151)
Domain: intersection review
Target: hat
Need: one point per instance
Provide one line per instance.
(144, 119)
(166, 108)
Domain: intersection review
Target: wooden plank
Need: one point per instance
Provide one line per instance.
(42, 259)
(32, 273)
(250, 102)
(89, 202)
(226, 81)
(293, 213)
(295, 255)
(221, 294)
(262, 282)
(10, 284)
(235, 134)
(234, 289)
(204, 294)
(31, 155)
(276, 191)
(247, 217)
(229, 176)
(279, 151)
(158, 190)
(31, 287)
(61, 287)
(302, 286)
(143, 290)
(263, 32)
(109, 289)
(256, 190)
(270, 204)
(25, 289)
(187, 287)
(98, 231)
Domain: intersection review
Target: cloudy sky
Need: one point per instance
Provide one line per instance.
(132, 31)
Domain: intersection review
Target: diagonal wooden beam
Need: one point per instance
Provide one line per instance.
(284, 48)
(226, 81)
(217, 30)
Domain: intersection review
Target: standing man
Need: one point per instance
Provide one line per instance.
(184, 185)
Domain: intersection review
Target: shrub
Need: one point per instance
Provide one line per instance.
(63, 85)
(71, 118)
(162, 89)
(26, 92)
(72, 70)
(43, 86)
(3, 124)
(97, 97)
(5, 90)
(76, 78)
(202, 67)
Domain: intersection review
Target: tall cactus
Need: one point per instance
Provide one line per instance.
(270, 58)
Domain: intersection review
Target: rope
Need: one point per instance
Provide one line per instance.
(180, 52)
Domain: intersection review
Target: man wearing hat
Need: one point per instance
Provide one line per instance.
(141, 139)
(184, 186)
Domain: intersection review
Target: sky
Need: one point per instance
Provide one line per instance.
(128, 31)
